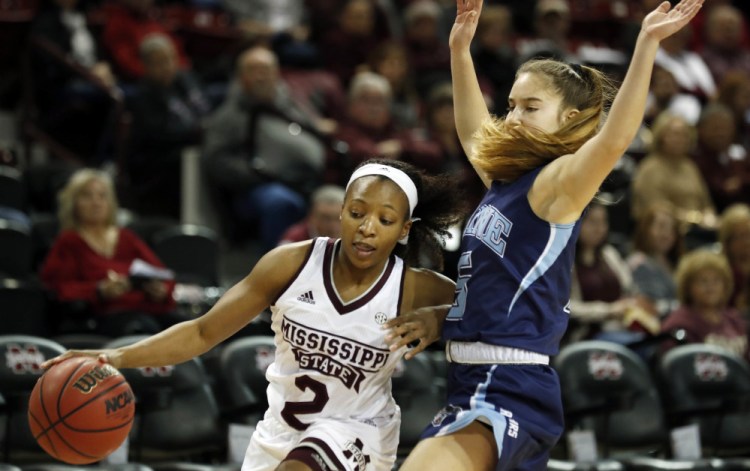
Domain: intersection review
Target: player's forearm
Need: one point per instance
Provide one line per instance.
(175, 345)
(469, 107)
(629, 106)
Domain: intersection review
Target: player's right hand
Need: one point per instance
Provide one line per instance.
(104, 356)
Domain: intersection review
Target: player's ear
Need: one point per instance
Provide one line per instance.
(405, 229)
(570, 113)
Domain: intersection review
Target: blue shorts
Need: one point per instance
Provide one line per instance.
(521, 403)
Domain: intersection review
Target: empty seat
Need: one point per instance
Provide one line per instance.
(709, 386)
(242, 377)
(24, 308)
(607, 388)
(418, 396)
(12, 189)
(16, 250)
(192, 251)
(19, 372)
(177, 416)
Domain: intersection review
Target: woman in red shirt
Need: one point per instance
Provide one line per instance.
(91, 258)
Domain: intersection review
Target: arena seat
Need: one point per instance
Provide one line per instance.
(708, 386)
(608, 389)
(177, 416)
(16, 250)
(13, 193)
(419, 398)
(18, 375)
(24, 308)
(190, 250)
(242, 377)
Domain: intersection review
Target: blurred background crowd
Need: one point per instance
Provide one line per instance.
(195, 135)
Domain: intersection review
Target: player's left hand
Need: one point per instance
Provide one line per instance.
(423, 326)
(664, 21)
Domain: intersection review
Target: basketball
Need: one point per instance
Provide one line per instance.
(81, 410)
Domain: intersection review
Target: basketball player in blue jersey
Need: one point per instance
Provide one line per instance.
(543, 164)
(330, 403)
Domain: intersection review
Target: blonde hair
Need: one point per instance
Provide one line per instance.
(732, 217)
(661, 126)
(67, 197)
(699, 260)
(505, 152)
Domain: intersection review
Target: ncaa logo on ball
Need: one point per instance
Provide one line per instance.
(117, 403)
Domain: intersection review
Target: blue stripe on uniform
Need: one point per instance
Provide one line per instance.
(480, 409)
(559, 236)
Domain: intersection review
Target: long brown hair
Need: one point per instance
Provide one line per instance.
(505, 152)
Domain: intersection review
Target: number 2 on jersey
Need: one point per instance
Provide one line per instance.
(292, 409)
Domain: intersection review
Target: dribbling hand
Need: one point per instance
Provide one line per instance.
(104, 356)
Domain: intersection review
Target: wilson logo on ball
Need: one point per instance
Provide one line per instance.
(118, 402)
(93, 377)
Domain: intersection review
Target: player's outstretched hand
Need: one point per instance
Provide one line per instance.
(423, 326)
(465, 25)
(665, 21)
(104, 356)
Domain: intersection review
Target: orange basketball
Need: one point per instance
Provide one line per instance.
(81, 410)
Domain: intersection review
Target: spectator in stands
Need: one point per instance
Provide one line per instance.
(127, 23)
(436, 147)
(391, 60)
(687, 67)
(551, 31)
(704, 285)
(657, 248)
(734, 92)
(734, 239)
(167, 108)
(665, 96)
(279, 24)
(668, 173)
(368, 130)
(323, 219)
(67, 101)
(345, 46)
(724, 50)
(493, 52)
(602, 301)
(92, 258)
(261, 151)
(429, 54)
(724, 163)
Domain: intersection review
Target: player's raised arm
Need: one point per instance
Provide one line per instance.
(469, 106)
(579, 176)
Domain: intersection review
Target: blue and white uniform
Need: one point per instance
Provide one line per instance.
(508, 316)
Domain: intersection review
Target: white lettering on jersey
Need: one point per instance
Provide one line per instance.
(332, 355)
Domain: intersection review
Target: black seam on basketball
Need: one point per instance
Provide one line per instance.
(43, 435)
(62, 418)
(59, 398)
(59, 394)
(52, 426)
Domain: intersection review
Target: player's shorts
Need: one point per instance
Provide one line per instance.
(520, 403)
(337, 444)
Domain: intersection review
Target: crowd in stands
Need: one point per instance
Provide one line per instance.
(284, 98)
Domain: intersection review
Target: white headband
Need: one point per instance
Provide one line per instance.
(395, 175)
